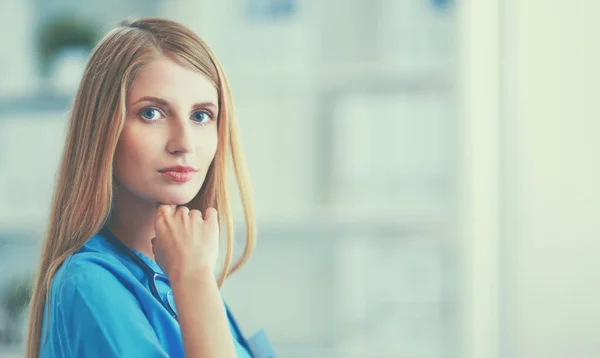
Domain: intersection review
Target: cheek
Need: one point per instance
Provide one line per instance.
(207, 146)
(132, 150)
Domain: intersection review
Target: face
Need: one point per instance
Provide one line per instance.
(169, 137)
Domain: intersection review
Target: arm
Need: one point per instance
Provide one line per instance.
(202, 317)
(186, 247)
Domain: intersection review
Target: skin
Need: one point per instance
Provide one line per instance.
(171, 120)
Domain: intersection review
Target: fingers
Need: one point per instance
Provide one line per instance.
(163, 218)
(196, 215)
(182, 211)
(211, 215)
(165, 210)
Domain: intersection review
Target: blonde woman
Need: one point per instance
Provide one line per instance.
(128, 266)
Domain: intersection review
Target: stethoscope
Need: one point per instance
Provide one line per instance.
(153, 276)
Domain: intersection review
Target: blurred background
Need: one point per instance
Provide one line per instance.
(425, 171)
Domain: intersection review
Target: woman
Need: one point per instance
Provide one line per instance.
(128, 264)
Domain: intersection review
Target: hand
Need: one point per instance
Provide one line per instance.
(186, 243)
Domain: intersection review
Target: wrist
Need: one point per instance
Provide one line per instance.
(200, 276)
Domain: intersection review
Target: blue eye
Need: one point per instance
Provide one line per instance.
(150, 114)
(201, 116)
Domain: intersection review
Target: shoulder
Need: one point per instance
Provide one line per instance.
(94, 309)
(94, 264)
(94, 282)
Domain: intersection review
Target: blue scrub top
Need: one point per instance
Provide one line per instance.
(100, 306)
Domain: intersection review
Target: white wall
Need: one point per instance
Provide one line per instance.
(530, 178)
(30, 149)
(17, 66)
(553, 243)
(479, 79)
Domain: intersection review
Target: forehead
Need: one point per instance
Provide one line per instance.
(165, 78)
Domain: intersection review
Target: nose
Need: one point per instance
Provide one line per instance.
(180, 138)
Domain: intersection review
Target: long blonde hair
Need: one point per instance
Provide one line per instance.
(84, 192)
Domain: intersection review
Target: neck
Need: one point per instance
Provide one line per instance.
(132, 221)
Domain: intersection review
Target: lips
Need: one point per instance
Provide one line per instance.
(178, 169)
(179, 173)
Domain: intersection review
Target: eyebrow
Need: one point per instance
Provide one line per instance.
(163, 102)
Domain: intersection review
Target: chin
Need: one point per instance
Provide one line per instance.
(179, 197)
